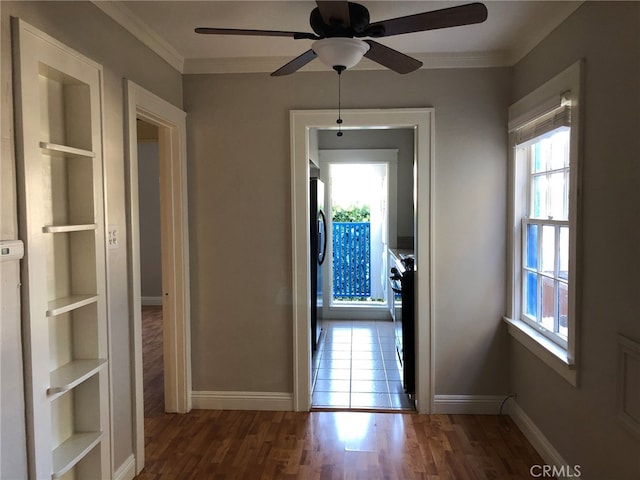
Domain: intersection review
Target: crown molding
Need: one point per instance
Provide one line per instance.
(120, 13)
(270, 64)
(130, 22)
(543, 28)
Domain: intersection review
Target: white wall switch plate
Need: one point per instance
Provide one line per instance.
(11, 250)
(113, 236)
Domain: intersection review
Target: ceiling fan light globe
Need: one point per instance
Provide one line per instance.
(340, 51)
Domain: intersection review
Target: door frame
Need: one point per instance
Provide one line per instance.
(302, 121)
(171, 123)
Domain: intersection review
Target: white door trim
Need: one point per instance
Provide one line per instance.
(171, 123)
(421, 119)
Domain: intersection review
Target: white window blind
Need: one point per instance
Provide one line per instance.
(551, 115)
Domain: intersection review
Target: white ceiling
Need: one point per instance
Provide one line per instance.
(512, 29)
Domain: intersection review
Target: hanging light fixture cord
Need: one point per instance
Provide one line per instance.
(339, 69)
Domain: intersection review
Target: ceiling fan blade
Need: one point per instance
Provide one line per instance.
(335, 11)
(262, 33)
(390, 58)
(447, 17)
(295, 64)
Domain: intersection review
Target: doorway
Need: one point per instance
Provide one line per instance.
(171, 127)
(357, 366)
(303, 123)
(358, 219)
(150, 267)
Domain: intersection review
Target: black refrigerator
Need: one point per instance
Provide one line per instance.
(318, 249)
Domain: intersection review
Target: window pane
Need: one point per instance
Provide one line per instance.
(563, 262)
(563, 309)
(531, 294)
(538, 163)
(559, 148)
(548, 303)
(539, 197)
(548, 252)
(558, 196)
(531, 260)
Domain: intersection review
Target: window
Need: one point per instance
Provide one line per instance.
(543, 132)
(545, 233)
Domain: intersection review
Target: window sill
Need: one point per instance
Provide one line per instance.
(554, 356)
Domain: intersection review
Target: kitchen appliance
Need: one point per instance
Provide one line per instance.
(318, 250)
(401, 283)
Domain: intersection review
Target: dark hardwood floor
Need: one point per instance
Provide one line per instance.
(152, 357)
(252, 445)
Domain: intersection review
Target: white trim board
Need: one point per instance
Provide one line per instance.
(302, 121)
(151, 300)
(274, 401)
(628, 384)
(270, 64)
(122, 15)
(538, 440)
(126, 471)
(140, 103)
(467, 404)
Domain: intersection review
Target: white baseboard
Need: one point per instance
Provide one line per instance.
(242, 401)
(126, 471)
(151, 300)
(467, 404)
(538, 440)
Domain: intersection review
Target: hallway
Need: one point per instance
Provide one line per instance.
(357, 367)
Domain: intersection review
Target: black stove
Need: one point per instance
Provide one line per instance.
(403, 313)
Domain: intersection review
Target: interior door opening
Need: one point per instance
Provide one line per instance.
(306, 125)
(170, 123)
(150, 268)
(356, 364)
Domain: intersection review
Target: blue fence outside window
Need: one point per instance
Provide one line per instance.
(351, 260)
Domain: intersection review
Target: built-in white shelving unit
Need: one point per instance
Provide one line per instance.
(59, 145)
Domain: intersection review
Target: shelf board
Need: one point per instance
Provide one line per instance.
(66, 304)
(68, 228)
(72, 374)
(72, 451)
(64, 150)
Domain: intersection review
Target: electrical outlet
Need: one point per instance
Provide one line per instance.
(113, 238)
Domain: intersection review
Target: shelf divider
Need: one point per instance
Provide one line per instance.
(67, 304)
(72, 451)
(69, 228)
(73, 374)
(64, 150)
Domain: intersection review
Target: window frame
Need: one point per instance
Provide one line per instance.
(562, 89)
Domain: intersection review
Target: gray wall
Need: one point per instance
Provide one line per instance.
(240, 219)
(149, 205)
(240, 214)
(82, 26)
(581, 422)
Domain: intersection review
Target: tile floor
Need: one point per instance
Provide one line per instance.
(356, 367)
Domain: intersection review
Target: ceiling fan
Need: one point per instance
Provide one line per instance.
(339, 27)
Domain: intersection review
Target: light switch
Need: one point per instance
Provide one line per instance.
(11, 250)
(113, 237)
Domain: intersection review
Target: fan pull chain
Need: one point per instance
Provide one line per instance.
(339, 69)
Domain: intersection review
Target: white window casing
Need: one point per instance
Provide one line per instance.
(553, 105)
